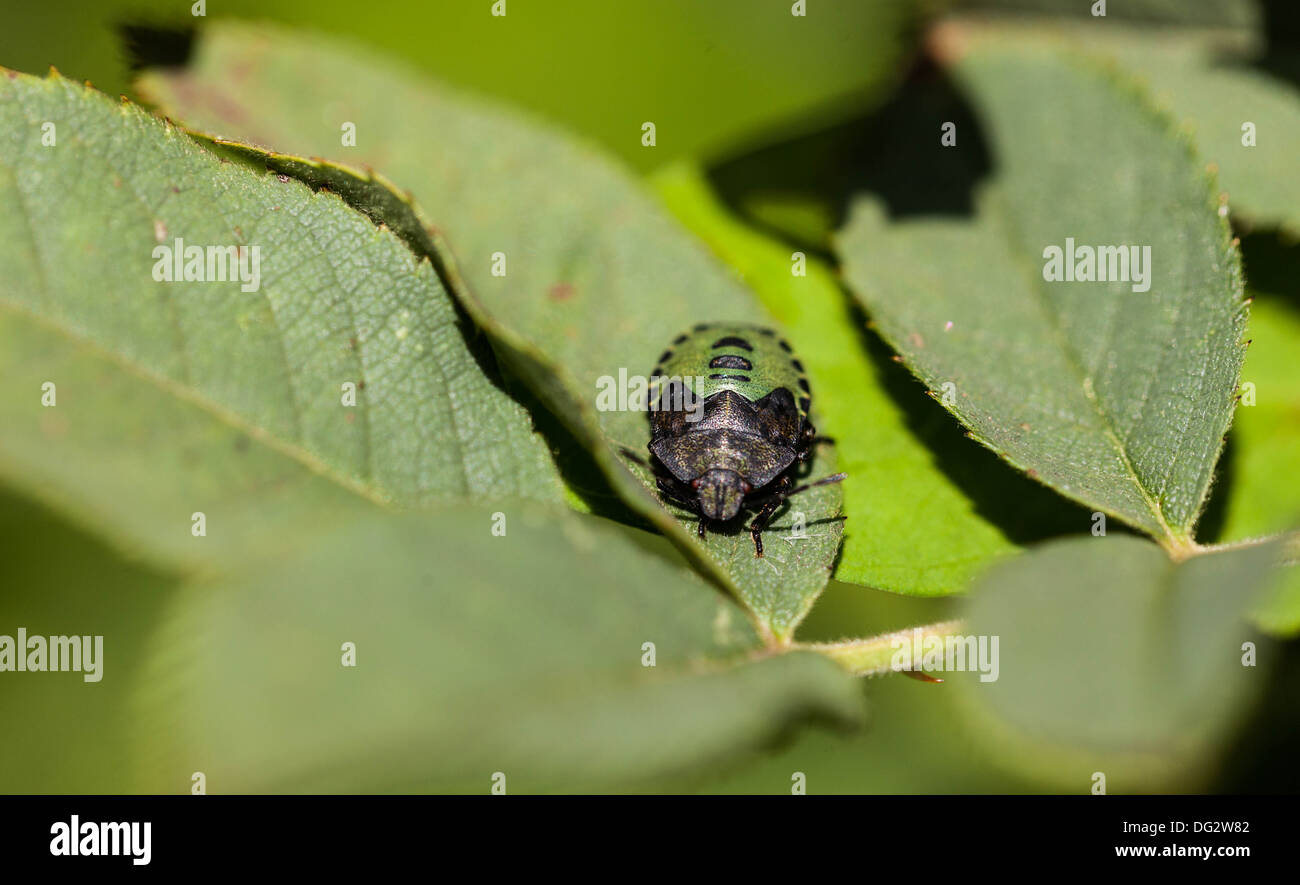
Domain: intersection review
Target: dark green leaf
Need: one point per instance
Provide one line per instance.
(597, 279)
(1115, 396)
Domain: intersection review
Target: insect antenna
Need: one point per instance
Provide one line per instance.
(824, 481)
(633, 456)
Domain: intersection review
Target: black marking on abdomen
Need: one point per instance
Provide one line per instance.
(730, 361)
(744, 378)
(805, 404)
(785, 345)
(665, 357)
(733, 341)
(798, 366)
(803, 385)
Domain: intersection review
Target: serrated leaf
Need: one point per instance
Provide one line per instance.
(597, 279)
(236, 396)
(1212, 82)
(524, 654)
(1262, 494)
(925, 511)
(1117, 398)
(1113, 658)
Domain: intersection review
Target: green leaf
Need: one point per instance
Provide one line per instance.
(1278, 612)
(1118, 399)
(474, 653)
(179, 397)
(597, 279)
(1214, 93)
(1265, 439)
(1263, 453)
(1114, 658)
(1213, 82)
(925, 510)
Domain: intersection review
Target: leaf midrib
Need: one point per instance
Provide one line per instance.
(214, 409)
(371, 490)
(1004, 220)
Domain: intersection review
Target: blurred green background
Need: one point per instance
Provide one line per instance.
(722, 80)
(710, 75)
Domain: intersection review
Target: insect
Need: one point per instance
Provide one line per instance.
(729, 424)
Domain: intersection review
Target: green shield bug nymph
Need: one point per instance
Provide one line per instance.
(729, 424)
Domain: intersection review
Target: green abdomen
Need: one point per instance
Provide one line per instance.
(750, 360)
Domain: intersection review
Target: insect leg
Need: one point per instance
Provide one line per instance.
(760, 522)
(810, 440)
(773, 503)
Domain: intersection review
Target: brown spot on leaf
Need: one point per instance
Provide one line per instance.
(561, 292)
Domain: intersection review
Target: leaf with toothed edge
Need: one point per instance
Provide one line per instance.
(480, 630)
(596, 279)
(336, 302)
(1117, 398)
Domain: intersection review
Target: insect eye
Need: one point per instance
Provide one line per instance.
(695, 483)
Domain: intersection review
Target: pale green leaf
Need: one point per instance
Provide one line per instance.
(1114, 658)
(475, 653)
